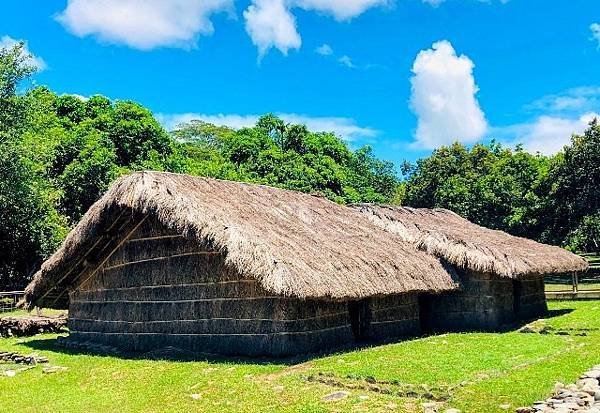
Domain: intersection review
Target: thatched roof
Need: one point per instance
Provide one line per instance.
(294, 244)
(446, 235)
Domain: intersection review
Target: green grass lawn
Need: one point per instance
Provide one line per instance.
(46, 312)
(474, 372)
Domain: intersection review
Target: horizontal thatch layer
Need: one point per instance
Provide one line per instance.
(294, 244)
(445, 234)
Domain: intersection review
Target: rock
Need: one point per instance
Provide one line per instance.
(451, 411)
(10, 373)
(338, 395)
(597, 396)
(196, 396)
(363, 397)
(593, 374)
(527, 330)
(53, 369)
(525, 410)
(430, 407)
(587, 382)
(570, 405)
(505, 406)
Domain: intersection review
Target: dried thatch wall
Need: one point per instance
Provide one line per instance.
(160, 289)
(484, 302)
(394, 316)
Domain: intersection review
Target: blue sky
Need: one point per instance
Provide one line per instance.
(404, 76)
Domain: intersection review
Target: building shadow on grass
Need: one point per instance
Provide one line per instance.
(63, 345)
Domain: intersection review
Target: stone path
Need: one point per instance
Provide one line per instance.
(583, 396)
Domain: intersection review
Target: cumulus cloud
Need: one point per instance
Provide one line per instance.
(444, 98)
(270, 24)
(346, 128)
(346, 60)
(324, 50)
(572, 101)
(546, 134)
(557, 117)
(143, 24)
(595, 28)
(340, 9)
(7, 42)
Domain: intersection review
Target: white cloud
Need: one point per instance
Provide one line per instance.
(545, 134)
(346, 60)
(143, 24)
(35, 61)
(324, 50)
(347, 128)
(434, 3)
(340, 9)
(270, 24)
(444, 98)
(595, 28)
(576, 100)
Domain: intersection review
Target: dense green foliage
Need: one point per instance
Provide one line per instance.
(488, 184)
(287, 156)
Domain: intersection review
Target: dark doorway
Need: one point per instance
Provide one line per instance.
(360, 319)
(517, 296)
(425, 313)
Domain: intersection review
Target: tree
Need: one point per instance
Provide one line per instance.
(574, 186)
(15, 67)
(31, 226)
(586, 237)
(88, 176)
(491, 185)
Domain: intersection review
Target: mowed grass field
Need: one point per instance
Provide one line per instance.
(474, 372)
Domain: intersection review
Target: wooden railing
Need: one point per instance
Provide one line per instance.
(577, 284)
(9, 300)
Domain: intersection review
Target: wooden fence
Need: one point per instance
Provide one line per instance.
(9, 300)
(576, 286)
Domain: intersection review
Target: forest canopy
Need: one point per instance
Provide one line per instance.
(59, 153)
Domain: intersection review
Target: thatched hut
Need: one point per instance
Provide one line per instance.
(501, 275)
(216, 266)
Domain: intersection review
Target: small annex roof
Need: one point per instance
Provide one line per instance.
(445, 234)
